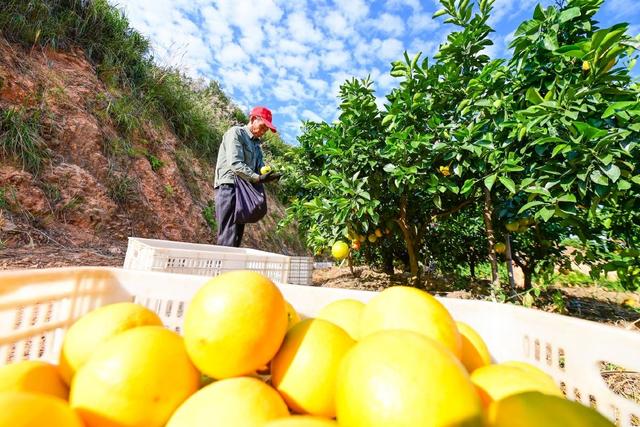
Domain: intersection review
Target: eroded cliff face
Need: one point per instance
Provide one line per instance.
(99, 184)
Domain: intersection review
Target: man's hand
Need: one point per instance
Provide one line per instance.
(269, 177)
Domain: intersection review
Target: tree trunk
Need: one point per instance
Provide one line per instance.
(488, 225)
(509, 261)
(528, 275)
(409, 238)
(472, 268)
(387, 261)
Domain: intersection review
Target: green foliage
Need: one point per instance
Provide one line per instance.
(4, 201)
(209, 215)
(189, 108)
(546, 141)
(126, 114)
(118, 147)
(121, 189)
(155, 162)
(20, 138)
(123, 60)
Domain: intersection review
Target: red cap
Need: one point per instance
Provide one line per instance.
(265, 114)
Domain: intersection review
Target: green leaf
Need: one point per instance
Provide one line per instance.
(569, 14)
(616, 106)
(588, 131)
(545, 213)
(612, 171)
(569, 198)
(530, 205)
(534, 97)
(508, 183)
(490, 180)
(636, 179)
(624, 185)
(389, 168)
(387, 119)
(559, 148)
(551, 42)
(547, 139)
(467, 186)
(439, 13)
(598, 178)
(437, 201)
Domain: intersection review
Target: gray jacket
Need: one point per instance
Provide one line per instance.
(239, 154)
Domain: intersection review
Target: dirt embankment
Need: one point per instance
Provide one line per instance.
(99, 184)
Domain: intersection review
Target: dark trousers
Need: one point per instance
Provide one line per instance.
(229, 233)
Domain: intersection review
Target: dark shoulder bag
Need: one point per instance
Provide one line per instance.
(251, 201)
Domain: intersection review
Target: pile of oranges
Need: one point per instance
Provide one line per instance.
(247, 359)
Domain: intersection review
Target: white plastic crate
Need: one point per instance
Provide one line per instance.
(37, 306)
(211, 260)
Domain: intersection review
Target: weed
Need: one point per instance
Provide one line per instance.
(168, 190)
(125, 112)
(20, 138)
(155, 162)
(72, 204)
(184, 160)
(121, 189)
(209, 214)
(118, 147)
(4, 201)
(52, 192)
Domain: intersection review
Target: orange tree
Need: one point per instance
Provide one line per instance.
(548, 138)
(392, 169)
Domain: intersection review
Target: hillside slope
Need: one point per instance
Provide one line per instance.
(89, 182)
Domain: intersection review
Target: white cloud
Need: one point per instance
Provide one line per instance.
(395, 4)
(620, 8)
(310, 115)
(509, 8)
(302, 29)
(291, 55)
(335, 59)
(318, 85)
(232, 54)
(337, 24)
(354, 10)
(289, 89)
(389, 24)
(390, 49)
(422, 22)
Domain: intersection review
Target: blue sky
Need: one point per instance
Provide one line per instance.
(292, 55)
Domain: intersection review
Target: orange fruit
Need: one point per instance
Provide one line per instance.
(292, 315)
(402, 378)
(22, 409)
(304, 370)
(496, 382)
(138, 378)
(403, 307)
(533, 409)
(474, 350)
(344, 313)
(33, 376)
(235, 324)
(233, 402)
(302, 421)
(96, 327)
(340, 250)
